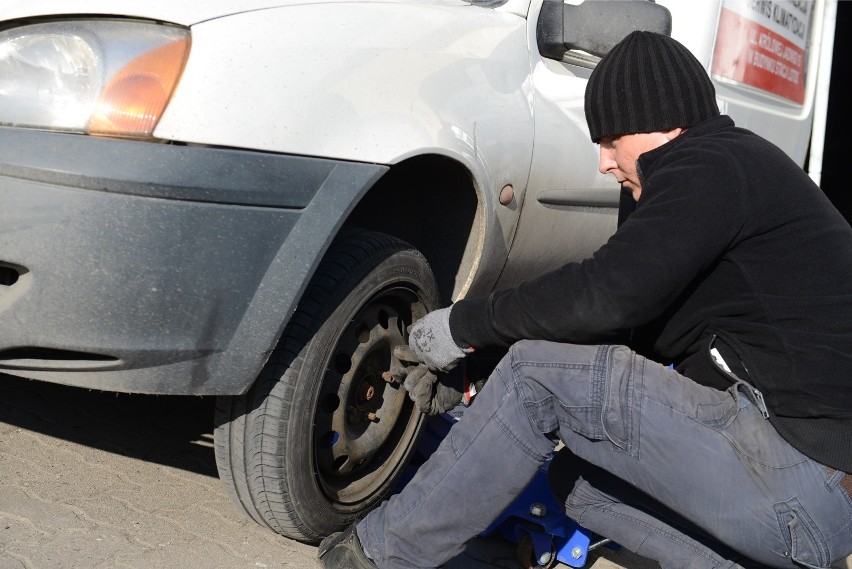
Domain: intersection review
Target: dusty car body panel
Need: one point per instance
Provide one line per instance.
(208, 280)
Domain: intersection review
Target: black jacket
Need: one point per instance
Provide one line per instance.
(731, 239)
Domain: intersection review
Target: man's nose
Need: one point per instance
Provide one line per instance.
(605, 161)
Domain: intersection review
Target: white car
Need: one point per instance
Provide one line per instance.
(253, 200)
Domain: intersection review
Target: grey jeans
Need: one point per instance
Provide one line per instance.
(707, 455)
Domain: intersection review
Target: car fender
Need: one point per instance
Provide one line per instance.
(367, 82)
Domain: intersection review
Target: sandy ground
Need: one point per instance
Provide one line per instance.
(96, 480)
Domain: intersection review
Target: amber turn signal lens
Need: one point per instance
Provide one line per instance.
(136, 96)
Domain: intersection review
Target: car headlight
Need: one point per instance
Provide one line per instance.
(103, 77)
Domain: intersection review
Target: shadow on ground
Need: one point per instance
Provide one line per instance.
(170, 430)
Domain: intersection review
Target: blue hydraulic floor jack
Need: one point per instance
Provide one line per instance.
(534, 521)
(541, 529)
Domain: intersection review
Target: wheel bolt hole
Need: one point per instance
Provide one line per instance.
(329, 403)
(384, 319)
(329, 439)
(342, 363)
(362, 334)
(340, 461)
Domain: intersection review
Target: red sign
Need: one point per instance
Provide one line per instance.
(755, 55)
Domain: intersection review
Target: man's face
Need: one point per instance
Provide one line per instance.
(619, 155)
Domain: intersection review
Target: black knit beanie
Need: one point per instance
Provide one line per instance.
(647, 83)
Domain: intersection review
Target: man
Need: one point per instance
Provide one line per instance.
(735, 269)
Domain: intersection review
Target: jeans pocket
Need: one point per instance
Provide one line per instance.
(619, 413)
(804, 542)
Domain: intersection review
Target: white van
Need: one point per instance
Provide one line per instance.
(253, 200)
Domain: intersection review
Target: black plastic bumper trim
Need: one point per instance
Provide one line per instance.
(167, 171)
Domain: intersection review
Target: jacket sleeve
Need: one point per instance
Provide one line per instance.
(692, 210)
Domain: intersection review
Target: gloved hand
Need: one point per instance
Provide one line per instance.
(431, 394)
(431, 340)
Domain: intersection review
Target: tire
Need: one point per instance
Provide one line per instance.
(321, 438)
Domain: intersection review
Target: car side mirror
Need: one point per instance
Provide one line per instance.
(595, 26)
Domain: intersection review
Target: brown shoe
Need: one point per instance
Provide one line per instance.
(343, 550)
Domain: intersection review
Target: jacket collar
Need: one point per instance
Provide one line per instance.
(705, 127)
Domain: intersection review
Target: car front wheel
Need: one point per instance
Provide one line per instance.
(322, 437)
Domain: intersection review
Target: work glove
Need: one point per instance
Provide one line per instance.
(432, 342)
(431, 394)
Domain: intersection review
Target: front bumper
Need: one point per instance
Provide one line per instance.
(154, 268)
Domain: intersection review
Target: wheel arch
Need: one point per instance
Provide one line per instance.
(433, 203)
